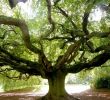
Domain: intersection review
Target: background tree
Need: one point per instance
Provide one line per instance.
(13, 3)
(59, 38)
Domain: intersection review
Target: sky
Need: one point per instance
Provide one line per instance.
(96, 15)
(26, 8)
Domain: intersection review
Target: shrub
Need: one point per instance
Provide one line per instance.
(101, 82)
(11, 84)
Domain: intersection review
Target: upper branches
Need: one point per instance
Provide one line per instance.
(69, 54)
(25, 32)
(86, 16)
(67, 16)
(49, 7)
(56, 2)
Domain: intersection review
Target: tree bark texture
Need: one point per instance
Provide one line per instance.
(57, 90)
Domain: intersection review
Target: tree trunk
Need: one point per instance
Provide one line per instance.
(57, 88)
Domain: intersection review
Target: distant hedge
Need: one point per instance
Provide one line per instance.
(11, 84)
(101, 82)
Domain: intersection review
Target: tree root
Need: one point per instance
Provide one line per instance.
(50, 97)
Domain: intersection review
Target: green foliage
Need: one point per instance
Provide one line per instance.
(71, 79)
(100, 77)
(39, 26)
(97, 78)
(101, 82)
(83, 77)
(11, 84)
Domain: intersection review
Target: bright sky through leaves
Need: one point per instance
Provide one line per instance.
(26, 8)
(97, 14)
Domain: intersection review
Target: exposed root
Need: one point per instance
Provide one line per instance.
(51, 97)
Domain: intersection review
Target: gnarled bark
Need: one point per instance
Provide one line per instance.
(57, 88)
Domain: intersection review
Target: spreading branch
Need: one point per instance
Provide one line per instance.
(73, 48)
(67, 16)
(5, 70)
(5, 33)
(19, 60)
(20, 67)
(24, 28)
(95, 62)
(25, 35)
(99, 34)
(58, 38)
(103, 47)
(19, 64)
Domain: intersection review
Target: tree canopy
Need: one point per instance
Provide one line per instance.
(60, 37)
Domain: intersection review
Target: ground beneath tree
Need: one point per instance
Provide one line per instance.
(29, 94)
(101, 94)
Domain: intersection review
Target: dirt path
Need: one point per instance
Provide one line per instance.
(102, 94)
(89, 94)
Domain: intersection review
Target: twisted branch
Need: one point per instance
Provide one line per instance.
(95, 62)
(49, 7)
(67, 16)
(25, 35)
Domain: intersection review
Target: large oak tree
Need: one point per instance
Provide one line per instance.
(63, 40)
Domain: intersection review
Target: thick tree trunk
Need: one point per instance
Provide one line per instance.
(57, 88)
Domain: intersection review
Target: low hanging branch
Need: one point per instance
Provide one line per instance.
(5, 54)
(17, 59)
(31, 69)
(95, 62)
